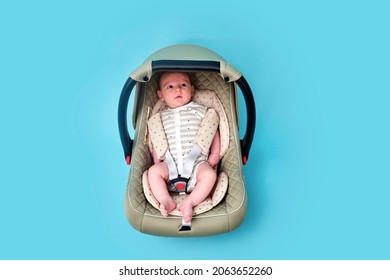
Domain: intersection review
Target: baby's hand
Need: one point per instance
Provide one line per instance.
(213, 160)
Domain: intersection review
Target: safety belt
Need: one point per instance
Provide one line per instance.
(180, 181)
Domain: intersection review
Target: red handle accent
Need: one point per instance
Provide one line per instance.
(244, 160)
(128, 160)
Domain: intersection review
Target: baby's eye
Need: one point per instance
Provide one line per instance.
(184, 85)
(169, 86)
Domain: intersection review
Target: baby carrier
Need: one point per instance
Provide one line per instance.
(215, 82)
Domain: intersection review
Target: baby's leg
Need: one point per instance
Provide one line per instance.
(205, 180)
(157, 176)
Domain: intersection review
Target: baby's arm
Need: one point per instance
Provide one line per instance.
(214, 150)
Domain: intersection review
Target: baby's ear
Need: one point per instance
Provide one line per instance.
(192, 90)
(159, 93)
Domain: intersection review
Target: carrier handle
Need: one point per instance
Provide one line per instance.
(127, 142)
(246, 142)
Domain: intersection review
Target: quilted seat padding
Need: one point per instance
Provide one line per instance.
(229, 213)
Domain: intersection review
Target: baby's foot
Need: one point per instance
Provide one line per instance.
(187, 208)
(166, 206)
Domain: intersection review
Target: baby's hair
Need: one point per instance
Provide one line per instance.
(158, 76)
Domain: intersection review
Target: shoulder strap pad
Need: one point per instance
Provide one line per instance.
(157, 135)
(207, 130)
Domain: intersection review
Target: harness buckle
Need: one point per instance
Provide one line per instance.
(180, 184)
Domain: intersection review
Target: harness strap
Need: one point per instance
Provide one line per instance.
(180, 181)
(184, 225)
(190, 161)
(172, 171)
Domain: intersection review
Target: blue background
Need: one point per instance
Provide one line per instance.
(318, 174)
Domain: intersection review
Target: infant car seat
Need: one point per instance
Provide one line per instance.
(209, 73)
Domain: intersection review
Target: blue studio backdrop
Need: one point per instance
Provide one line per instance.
(318, 172)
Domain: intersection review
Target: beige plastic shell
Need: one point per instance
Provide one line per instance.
(224, 217)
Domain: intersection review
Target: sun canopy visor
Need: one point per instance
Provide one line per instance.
(185, 58)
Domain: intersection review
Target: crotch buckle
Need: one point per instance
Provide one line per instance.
(180, 184)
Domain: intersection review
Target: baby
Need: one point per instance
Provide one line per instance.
(176, 90)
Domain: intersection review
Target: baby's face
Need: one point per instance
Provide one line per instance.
(175, 89)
